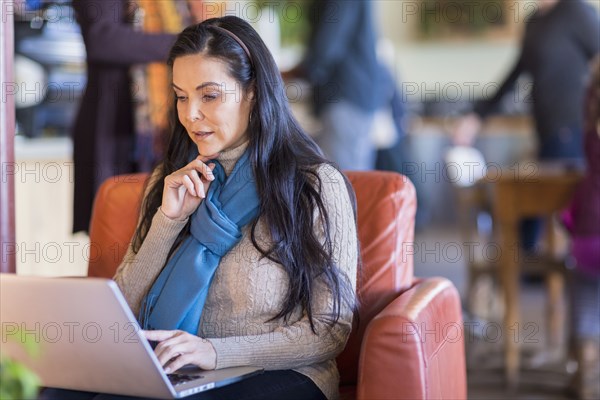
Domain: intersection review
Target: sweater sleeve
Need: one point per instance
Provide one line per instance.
(109, 39)
(137, 271)
(296, 345)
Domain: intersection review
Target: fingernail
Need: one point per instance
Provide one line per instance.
(168, 370)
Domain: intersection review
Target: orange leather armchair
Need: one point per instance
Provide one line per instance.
(409, 343)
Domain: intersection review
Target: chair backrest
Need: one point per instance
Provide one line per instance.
(114, 218)
(386, 209)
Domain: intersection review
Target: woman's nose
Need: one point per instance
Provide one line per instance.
(194, 113)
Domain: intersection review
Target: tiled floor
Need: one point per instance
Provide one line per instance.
(544, 374)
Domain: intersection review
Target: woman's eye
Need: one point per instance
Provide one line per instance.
(181, 98)
(209, 97)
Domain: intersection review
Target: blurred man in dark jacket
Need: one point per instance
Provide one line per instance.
(104, 133)
(348, 81)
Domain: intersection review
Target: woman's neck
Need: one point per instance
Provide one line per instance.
(228, 158)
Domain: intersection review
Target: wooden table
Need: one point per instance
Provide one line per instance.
(531, 190)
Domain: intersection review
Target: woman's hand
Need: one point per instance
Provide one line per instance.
(179, 348)
(184, 189)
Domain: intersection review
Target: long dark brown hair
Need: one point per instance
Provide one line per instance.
(284, 159)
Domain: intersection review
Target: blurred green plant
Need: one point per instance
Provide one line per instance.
(17, 382)
(293, 18)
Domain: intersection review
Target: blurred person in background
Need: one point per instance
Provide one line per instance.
(583, 221)
(122, 116)
(349, 83)
(560, 39)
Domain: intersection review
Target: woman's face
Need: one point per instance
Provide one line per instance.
(211, 105)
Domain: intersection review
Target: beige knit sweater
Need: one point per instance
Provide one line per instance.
(247, 291)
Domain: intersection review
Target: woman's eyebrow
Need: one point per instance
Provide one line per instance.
(205, 84)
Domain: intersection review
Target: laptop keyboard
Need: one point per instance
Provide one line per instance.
(180, 379)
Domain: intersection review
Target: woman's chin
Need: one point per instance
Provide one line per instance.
(209, 152)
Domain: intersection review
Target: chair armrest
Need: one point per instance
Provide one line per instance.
(414, 348)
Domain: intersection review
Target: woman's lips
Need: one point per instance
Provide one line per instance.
(201, 135)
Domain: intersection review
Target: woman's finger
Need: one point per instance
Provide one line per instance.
(178, 179)
(164, 345)
(168, 353)
(198, 186)
(189, 185)
(204, 169)
(168, 348)
(158, 335)
(178, 362)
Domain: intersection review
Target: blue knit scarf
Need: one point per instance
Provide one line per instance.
(177, 297)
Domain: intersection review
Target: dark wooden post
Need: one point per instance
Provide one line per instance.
(7, 142)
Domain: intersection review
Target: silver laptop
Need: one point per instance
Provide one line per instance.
(88, 339)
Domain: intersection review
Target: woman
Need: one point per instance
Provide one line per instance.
(583, 220)
(257, 230)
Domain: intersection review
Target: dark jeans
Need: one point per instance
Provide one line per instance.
(270, 385)
(530, 230)
(565, 146)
